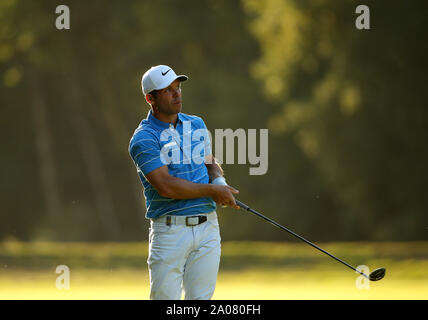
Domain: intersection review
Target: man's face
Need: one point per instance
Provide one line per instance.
(168, 101)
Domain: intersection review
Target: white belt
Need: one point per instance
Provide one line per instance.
(187, 220)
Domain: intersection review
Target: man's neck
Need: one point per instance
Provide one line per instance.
(168, 118)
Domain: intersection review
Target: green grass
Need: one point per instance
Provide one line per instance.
(248, 270)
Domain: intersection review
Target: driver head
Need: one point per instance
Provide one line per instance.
(377, 274)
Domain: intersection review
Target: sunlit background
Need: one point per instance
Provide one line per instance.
(347, 118)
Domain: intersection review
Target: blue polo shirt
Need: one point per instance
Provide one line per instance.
(182, 149)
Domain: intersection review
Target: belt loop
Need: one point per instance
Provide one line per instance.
(168, 220)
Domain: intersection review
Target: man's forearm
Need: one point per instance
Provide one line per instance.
(214, 170)
(177, 188)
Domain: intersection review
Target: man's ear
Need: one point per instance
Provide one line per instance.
(149, 98)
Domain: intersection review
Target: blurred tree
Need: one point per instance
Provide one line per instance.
(353, 101)
(344, 108)
(88, 79)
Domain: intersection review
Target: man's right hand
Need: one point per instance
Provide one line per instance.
(223, 195)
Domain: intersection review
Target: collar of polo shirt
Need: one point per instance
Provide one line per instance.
(160, 124)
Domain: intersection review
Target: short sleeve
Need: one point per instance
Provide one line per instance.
(207, 137)
(145, 152)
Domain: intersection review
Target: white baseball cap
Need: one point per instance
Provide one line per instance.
(159, 77)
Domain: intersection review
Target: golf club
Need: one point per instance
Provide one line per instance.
(375, 275)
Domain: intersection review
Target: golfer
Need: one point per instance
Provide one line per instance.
(182, 184)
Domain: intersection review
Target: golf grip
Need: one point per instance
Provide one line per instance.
(245, 207)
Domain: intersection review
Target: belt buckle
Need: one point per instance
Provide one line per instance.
(195, 220)
(192, 221)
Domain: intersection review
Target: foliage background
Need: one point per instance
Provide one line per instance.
(345, 108)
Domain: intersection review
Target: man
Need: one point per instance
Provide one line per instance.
(181, 192)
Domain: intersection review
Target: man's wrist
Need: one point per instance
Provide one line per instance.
(219, 180)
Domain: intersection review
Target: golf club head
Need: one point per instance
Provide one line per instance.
(377, 274)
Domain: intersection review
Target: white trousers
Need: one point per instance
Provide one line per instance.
(183, 258)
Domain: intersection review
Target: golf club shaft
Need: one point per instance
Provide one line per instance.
(244, 206)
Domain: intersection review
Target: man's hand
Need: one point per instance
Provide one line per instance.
(223, 195)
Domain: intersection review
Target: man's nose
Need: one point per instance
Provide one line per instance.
(177, 92)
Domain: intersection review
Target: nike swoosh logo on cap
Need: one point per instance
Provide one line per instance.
(164, 73)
